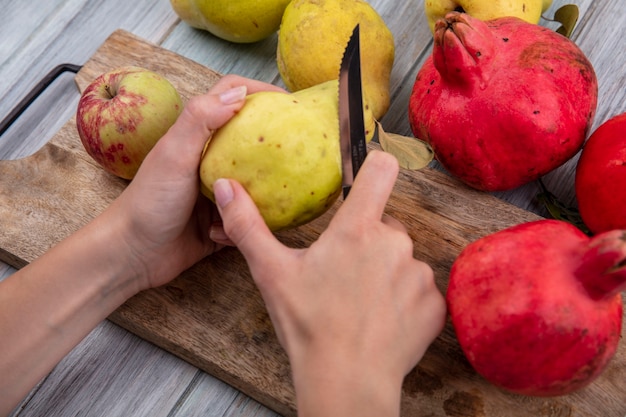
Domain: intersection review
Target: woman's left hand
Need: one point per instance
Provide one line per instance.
(166, 221)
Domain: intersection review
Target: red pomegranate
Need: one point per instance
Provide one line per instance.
(601, 177)
(502, 102)
(537, 307)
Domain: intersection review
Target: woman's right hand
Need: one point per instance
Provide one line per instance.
(355, 311)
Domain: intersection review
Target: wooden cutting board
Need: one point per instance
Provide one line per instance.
(212, 315)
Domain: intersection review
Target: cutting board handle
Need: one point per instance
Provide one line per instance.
(32, 95)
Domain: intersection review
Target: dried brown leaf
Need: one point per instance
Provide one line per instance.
(411, 153)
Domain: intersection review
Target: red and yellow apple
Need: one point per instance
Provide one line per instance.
(122, 114)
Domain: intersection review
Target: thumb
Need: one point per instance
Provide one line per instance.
(244, 225)
(204, 114)
(208, 112)
(180, 149)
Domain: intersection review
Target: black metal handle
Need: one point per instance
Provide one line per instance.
(32, 95)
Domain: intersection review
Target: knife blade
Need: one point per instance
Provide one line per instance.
(351, 124)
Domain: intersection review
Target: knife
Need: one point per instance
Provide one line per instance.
(351, 124)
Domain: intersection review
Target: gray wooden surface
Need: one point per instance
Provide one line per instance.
(112, 372)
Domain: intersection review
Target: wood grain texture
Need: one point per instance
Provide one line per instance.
(212, 315)
(78, 387)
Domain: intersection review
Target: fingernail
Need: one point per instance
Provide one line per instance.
(223, 192)
(233, 95)
(217, 233)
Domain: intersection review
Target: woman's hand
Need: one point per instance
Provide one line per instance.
(158, 227)
(355, 311)
(166, 222)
